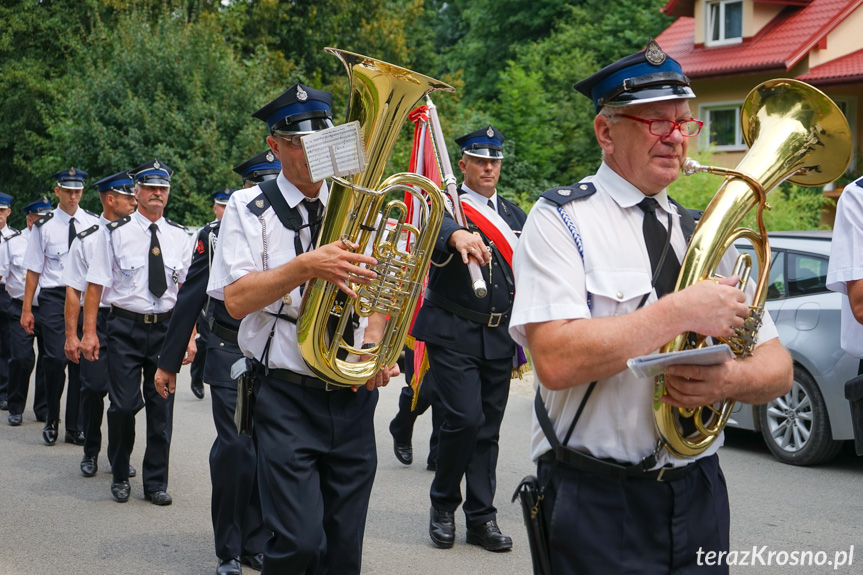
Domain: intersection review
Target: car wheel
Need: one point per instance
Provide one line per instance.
(796, 426)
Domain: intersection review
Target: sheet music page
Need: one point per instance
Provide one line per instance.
(656, 363)
(337, 151)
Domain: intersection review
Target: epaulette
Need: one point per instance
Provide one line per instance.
(87, 232)
(91, 213)
(117, 223)
(858, 182)
(15, 233)
(41, 221)
(259, 205)
(176, 225)
(566, 194)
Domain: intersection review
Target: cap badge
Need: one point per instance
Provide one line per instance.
(302, 95)
(259, 204)
(654, 54)
(71, 171)
(490, 132)
(270, 156)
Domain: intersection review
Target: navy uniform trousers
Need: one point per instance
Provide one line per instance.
(238, 526)
(94, 388)
(402, 425)
(135, 350)
(5, 303)
(22, 358)
(601, 524)
(316, 464)
(51, 316)
(473, 393)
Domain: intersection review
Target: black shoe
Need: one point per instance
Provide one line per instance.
(120, 491)
(198, 389)
(132, 471)
(89, 466)
(74, 437)
(255, 561)
(404, 452)
(49, 432)
(14, 420)
(442, 528)
(229, 567)
(4, 405)
(158, 498)
(489, 537)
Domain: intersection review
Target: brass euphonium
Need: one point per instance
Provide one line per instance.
(794, 132)
(381, 97)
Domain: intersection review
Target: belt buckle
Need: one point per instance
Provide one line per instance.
(661, 473)
(149, 318)
(494, 319)
(331, 386)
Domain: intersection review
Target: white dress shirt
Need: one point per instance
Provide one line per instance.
(79, 258)
(846, 262)
(12, 270)
(121, 263)
(552, 283)
(49, 245)
(240, 252)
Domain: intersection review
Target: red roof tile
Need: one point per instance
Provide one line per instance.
(839, 71)
(779, 46)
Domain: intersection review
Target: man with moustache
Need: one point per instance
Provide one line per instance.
(139, 264)
(589, 259)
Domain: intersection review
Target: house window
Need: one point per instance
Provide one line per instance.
(722, 127)
(724, 22)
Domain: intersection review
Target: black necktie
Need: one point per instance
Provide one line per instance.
(157, 282)
(656, 240)
(314, 209)
(491, 205)
(72, 231)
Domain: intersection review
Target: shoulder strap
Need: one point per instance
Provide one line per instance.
(290, 217)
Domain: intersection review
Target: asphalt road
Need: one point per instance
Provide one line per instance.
(53, 520)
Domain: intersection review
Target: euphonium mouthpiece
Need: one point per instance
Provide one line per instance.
(692, 167)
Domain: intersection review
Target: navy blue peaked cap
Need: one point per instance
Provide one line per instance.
(153, 173)
(222, 196)
(264, 166)
(38, 206)
(483, 143)
(121, 182)
(647, 76)
(73, 178)
(5, 200)
(299, 110)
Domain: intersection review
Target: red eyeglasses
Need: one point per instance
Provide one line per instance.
(663, 128)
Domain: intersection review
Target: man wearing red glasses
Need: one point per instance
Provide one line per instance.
(595, 269)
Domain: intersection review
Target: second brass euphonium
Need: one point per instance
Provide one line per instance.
(794, 132)
(381, 97)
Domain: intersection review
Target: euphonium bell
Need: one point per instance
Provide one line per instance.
(794, 132)
(381, 97)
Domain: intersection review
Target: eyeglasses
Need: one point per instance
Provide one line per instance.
(663, 128)
(296, 141)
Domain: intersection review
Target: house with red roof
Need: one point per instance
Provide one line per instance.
(727, 47)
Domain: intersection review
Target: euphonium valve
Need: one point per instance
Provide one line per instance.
(794, 132)
(381, 97)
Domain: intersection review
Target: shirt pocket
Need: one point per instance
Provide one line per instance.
(617, 291)
(173, 266)
(56, 250)
(132, 268)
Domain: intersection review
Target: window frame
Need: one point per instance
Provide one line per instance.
(708, 33)
(704, 114)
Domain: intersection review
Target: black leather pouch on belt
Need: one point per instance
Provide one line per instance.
(529, 493)
(245, 411)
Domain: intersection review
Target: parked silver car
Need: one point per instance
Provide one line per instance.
(808, 425)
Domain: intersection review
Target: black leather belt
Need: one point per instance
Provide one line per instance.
(573, 459)
(489, 319)
(304, 380)
(224, 332)
(147, 318)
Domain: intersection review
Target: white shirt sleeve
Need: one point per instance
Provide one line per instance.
(34, 257)
(99, 271)
(75, 269)
(233, 258)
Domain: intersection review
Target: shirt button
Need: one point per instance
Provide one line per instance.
(620, 295)
(221, 344)
(495, 286)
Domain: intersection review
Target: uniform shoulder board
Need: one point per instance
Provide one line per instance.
(15, 233)
(858, 182)
(176, 225)
(117, 223)
(92, 214)
(41, 221)
(88, 231)
(259, 205)
(566, 194)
